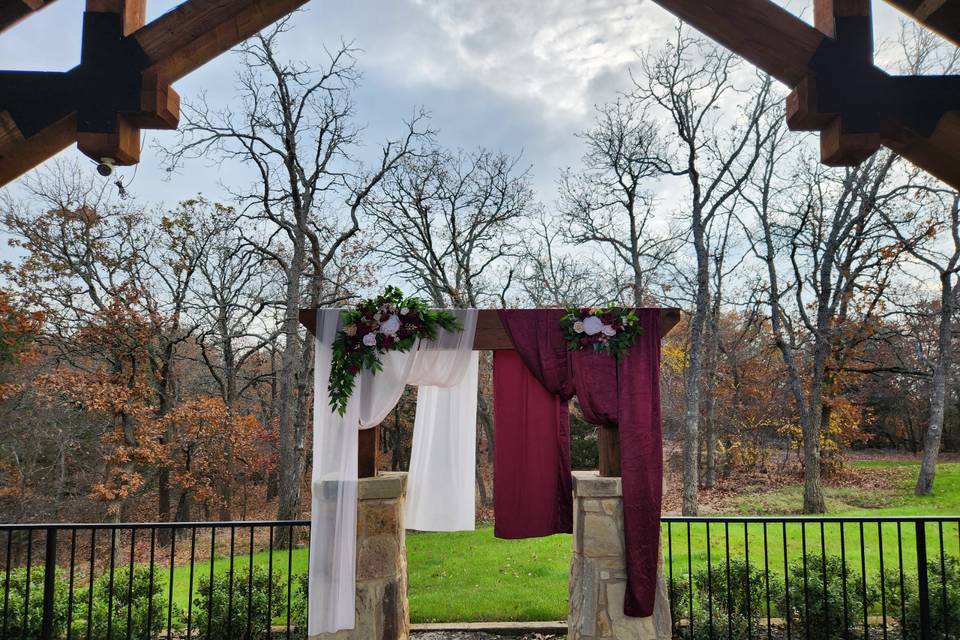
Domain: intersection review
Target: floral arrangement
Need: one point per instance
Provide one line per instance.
(611, 329)
(388, 322)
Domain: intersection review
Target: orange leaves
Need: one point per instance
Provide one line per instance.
(17, 330)
(212, 447)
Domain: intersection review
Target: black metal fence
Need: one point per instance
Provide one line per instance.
(830, 577)
(804, 578)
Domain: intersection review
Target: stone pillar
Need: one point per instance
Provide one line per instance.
(598, 576)
(382, 611)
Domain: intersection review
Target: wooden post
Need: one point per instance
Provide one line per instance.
(368, 452)
(608, 443)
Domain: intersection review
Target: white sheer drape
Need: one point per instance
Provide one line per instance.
(440, 485)
(333, 526)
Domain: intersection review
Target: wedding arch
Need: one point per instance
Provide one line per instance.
(346, 428)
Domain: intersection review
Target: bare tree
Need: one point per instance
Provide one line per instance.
(608, 202)
(689, 81)
(828, 267)
(294, 128)
(918, 230)
(553, 276)
(446, 222)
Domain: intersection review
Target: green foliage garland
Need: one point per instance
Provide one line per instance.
(376, 326)
(611, 329)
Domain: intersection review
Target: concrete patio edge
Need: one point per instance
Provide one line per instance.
(501, 628)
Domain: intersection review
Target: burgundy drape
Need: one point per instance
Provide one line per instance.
(624, 393)
(532, 386)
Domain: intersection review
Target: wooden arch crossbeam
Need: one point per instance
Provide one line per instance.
(122, 84)
(491, 336)
(836, 87)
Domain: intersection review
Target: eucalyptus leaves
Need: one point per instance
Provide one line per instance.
(388, 322)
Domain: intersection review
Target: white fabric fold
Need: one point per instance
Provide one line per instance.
(440, 484)
(449, 426)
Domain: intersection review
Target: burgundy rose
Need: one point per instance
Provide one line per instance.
(584, 341)
(387, 342)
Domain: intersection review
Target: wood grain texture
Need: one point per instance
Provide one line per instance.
(608, 446)
(133, 12)
(197, 31)
(368, 451)
(13, 11)
(943, 16)
(19, 156)
(765, 34)
(939, 154)
(121, 146)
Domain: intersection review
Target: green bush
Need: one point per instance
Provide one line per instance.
(298, 613)
(942, 619)
(136, 601)
(18, 628)
(250, 594)
(721, 597)
(821, 612)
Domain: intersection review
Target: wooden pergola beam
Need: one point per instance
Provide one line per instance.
(763, 33)
(942, 16)
(13, 11)
(492, 336)
(122, 84)
(197, 31)
(837, 89)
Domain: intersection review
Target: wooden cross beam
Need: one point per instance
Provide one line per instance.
(491, 336)
(13, 11)
(942, 16)
(122, 84)
(837, 89)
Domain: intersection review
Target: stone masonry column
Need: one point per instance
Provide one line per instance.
(598, 576)
(382, 611)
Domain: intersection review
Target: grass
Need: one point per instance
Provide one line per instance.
(472, 576)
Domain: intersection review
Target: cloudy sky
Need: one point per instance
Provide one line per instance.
(520, 75)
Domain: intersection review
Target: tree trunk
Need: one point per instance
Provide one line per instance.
(812, 487)
(710, 399)
(288, 473)
(938, 389)
(691, 442)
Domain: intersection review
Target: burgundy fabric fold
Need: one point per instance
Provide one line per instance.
(542, 353)
(530, 497)
(532, 435)
(626, 393)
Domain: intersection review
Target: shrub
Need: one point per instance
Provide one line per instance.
(18, 628)
(720, 612)
(821, 612)
(942, 619)
(251, 593)
(298, 613)
(137, 601)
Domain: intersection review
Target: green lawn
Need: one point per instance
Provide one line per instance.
(472, 576)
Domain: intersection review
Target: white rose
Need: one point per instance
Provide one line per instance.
(592, 325)
(404, 311)
(370, 339)
(608, 331)
(390, 326)
(578, 326)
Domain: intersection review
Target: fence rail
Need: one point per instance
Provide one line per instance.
(738, 577)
